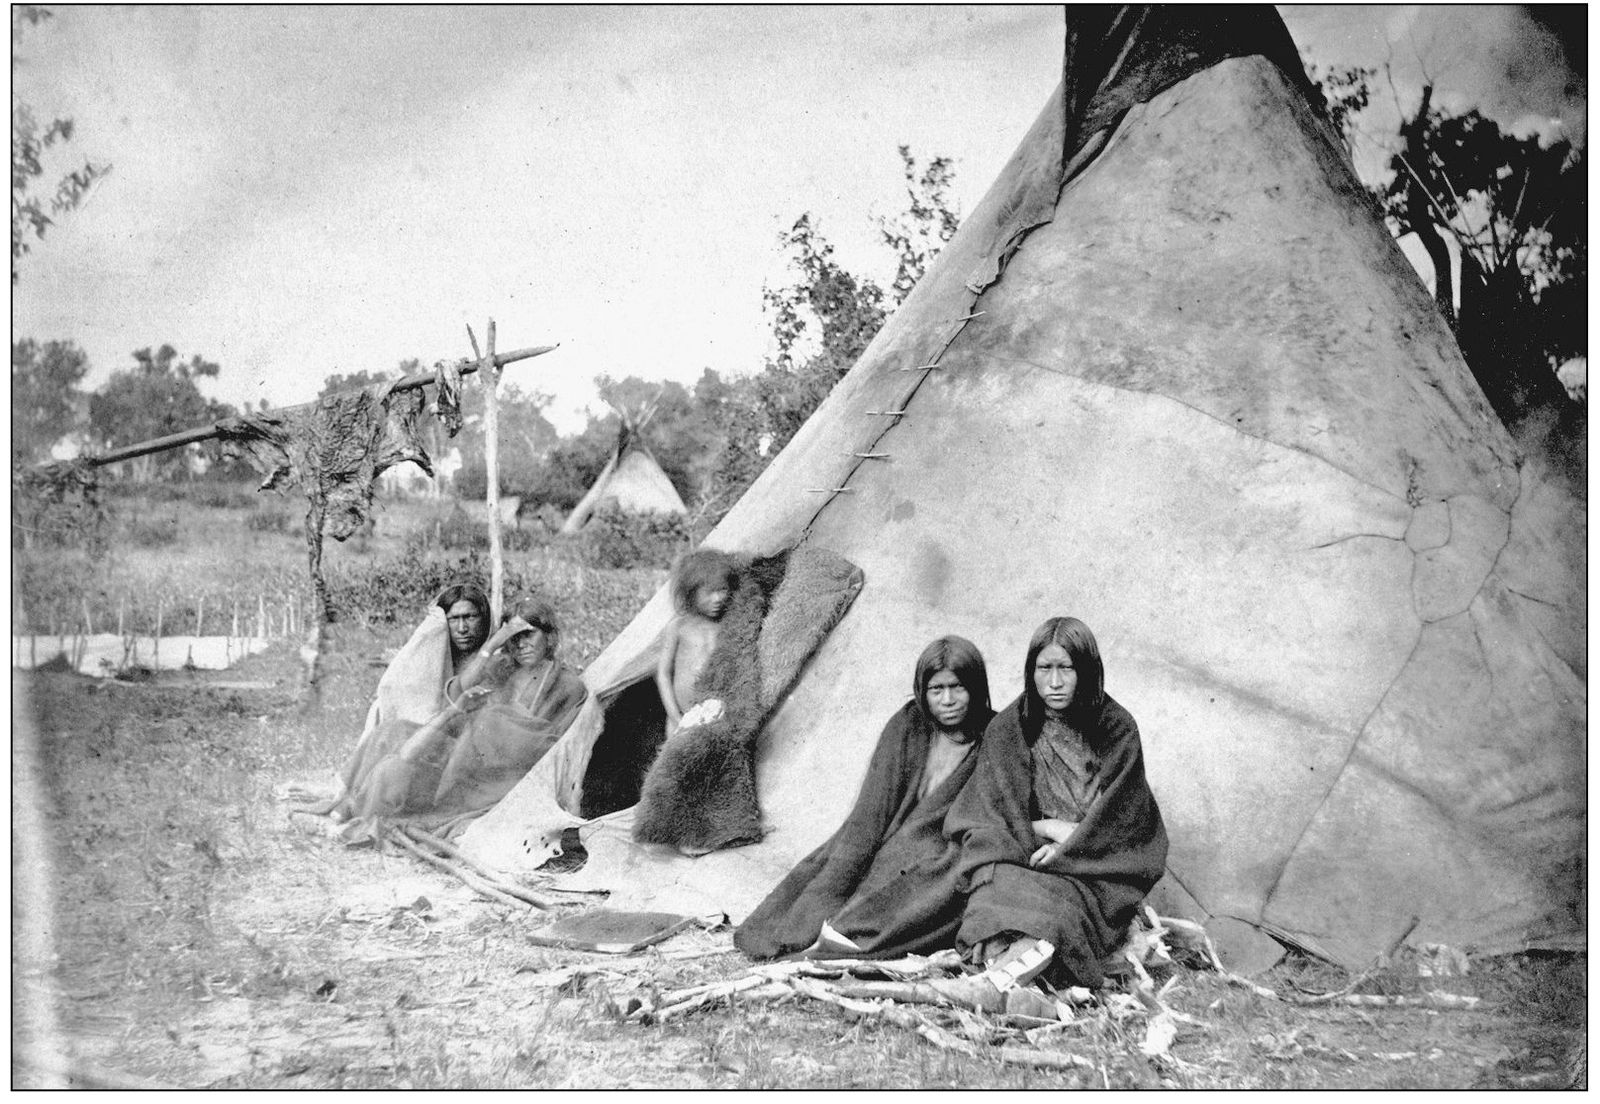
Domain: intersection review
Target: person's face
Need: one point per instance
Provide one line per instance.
(466, 626)
(530, 648)
(1054, 678)
(947, 699)
(712, 601)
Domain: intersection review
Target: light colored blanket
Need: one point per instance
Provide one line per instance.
(411, 690)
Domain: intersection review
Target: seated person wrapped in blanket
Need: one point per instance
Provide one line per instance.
(505, 709)
(885, 884)
(412, 687)
(1060, 836)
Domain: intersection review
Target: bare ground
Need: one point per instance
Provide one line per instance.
(172, 925)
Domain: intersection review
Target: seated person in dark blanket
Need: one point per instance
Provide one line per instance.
(513, 710)
(1060, 835)
(885, 884)
(505, 709)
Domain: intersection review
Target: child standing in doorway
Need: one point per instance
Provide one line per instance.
(702, 589)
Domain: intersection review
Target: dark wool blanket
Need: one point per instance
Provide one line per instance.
(700, 792)
(1082, 901)
(887, 877)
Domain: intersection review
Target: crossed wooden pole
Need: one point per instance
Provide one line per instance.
(406, 383)
(486, 362)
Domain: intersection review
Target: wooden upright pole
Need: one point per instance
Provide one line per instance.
(489, 374)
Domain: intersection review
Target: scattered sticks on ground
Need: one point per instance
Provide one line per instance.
(496, 892)
(489, 883)
(845, 984)
(896, 991)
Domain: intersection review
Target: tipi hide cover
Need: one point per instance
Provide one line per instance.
(1173, 377)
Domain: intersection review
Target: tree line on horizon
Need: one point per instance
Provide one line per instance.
(1514, 208)
(710, 439)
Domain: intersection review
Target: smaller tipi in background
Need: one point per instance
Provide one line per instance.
(631, 478)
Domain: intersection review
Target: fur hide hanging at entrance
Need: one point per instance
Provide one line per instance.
(700, 793)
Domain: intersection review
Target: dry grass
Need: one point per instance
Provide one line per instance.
(204, 940)
(201, 939)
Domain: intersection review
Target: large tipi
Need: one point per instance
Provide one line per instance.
(1173, 377)
(632, 479)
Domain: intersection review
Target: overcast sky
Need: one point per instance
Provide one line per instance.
(303, 190)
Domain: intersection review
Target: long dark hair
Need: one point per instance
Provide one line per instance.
(466, 592)
(704, 567)
(1087, 698)
(961, 657)
(541, 615)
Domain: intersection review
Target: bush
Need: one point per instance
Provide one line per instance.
(394, 591)
(58, 507)
(616, 538)
(398, 591)
(458, 531)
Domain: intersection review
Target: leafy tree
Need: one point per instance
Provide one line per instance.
(47, 403)
(1515, 209)
(351, 381)
(821, 324)
(526, 436)
(927, 224)
(846, 311)
(1346, 92)
(33, 210)
(714, 440)
(570, 468)
(158, 396)
(682, 435)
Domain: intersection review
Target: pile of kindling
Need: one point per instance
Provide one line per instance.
(915, 993)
